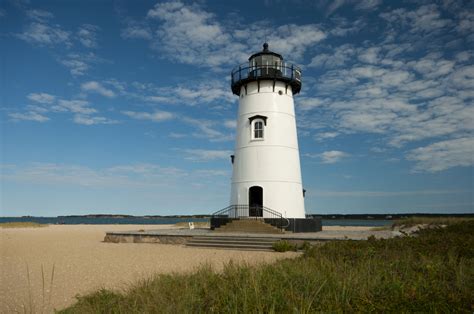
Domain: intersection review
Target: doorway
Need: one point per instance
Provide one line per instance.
(256, 201)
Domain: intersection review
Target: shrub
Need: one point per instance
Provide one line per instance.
(284, 246)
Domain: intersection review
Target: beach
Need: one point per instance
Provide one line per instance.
(83, 263)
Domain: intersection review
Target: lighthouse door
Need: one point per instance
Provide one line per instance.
(256, 201)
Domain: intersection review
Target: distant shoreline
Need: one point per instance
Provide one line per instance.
(200, 216)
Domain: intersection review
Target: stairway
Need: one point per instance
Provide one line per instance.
(248, 226)
(232, 243)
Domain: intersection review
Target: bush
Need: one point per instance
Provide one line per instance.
(284, 246)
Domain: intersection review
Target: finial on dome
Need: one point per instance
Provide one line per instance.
(265, 47)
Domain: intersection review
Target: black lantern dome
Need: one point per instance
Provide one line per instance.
(266, 65)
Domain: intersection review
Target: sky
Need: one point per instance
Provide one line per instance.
(125, 107)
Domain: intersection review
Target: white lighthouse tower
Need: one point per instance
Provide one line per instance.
(266, 164)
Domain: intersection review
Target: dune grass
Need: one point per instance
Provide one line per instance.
(433, 221)
(433, 272)
(22, 224)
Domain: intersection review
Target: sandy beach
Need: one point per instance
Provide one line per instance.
(83, 263)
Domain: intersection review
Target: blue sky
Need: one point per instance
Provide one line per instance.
(126, 107)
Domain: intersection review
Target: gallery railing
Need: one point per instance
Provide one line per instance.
(285, 72)
(253, 212)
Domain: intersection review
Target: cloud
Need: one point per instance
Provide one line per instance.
(186, 33)
(75, 106)
(40, 31)
(206, 155)
(156, 116)
(138, 175)
(42, 98)
(92, 120)
(424, 19)
(364, 194)
(39, 15)
(78, 64)
(443, 155)
(230, 124)
(45, 34)
(206, 129)
(87, 35)
(136, 30)
(28, 116)
(93, 86)
(368, 4)
(320, 137)
(329, 157)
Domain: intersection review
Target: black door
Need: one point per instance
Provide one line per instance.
(255, 201)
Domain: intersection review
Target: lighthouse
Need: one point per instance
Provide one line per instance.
(266, 173)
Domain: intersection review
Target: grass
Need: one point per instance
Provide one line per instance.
(23, 224)
(433, 272)
(433, 221)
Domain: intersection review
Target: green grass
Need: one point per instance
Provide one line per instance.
(413, 221)
(433, 272)
(24, 224)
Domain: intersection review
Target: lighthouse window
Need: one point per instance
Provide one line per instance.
(258, 129)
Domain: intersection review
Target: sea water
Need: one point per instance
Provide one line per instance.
(167, 221)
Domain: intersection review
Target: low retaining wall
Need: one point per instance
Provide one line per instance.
(144, 238)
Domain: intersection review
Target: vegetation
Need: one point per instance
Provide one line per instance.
(431, 272)
(433, 221)
(23, 224)
(284, 246)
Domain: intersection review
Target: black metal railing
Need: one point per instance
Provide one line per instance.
(285, 72)
(253, 212)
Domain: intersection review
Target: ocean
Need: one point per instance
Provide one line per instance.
(169, 221)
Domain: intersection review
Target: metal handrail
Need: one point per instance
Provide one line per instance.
(246, 72)
(285, 70)
(243, 211)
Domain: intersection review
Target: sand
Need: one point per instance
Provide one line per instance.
(83, 263)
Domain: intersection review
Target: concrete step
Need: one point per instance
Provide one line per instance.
(231, 238)
(235, 243)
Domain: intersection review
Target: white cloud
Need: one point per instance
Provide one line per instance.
(325, 135)
(136, 31)
(206, 155)
(424, 19)
(79, 64)
(370, 55)
(28, 116)
(39, 15)
(356, 193)
(156, 116)
(75, 106)
(188, 32)
(329, 157)
(368, 4)
(230, 124)
(338, 57)
(87, 35)
(45, 34)
(443, 155)
(205, 129)
(93, 86)
(92, 120)
(42, 98)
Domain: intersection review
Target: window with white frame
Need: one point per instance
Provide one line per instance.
(258, 126)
